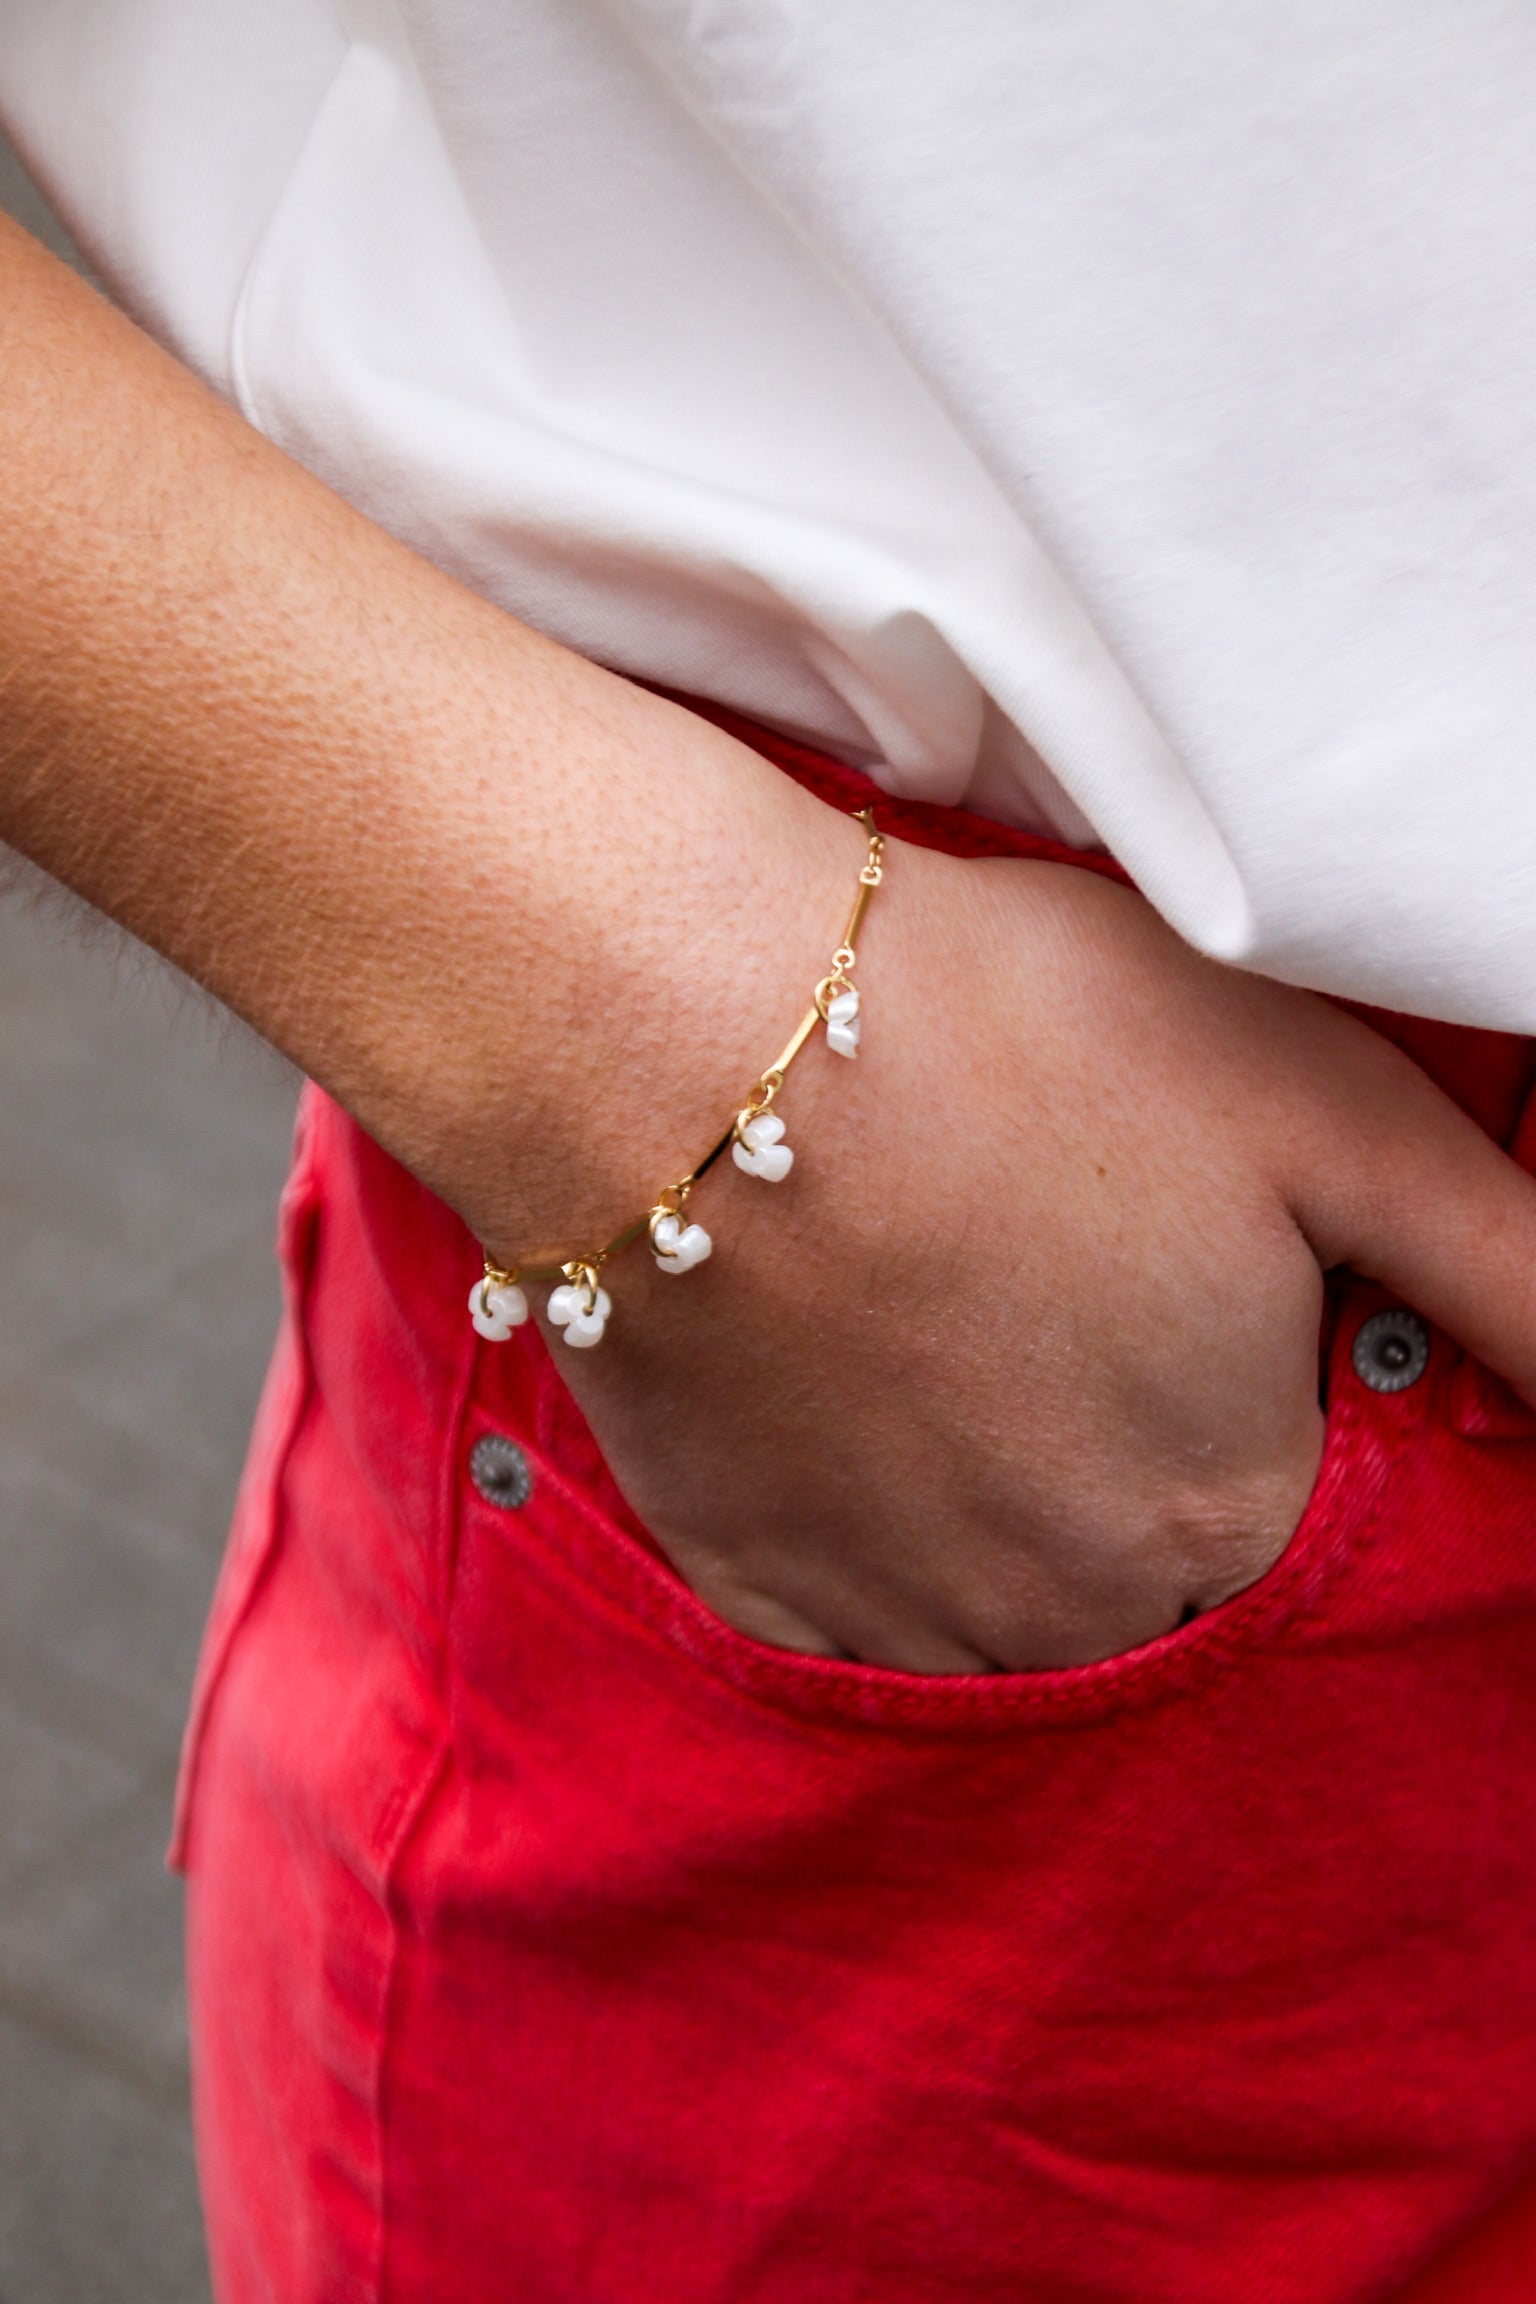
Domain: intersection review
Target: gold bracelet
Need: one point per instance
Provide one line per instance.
(580, 1304)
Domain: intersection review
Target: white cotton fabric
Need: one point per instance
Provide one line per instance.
(1120, 416)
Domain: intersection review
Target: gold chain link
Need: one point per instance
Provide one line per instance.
(583, 1270)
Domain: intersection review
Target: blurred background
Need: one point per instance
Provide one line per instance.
(143, 1139)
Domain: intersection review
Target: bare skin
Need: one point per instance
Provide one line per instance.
(1020, 1363)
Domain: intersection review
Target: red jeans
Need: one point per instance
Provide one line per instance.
(552, 1942)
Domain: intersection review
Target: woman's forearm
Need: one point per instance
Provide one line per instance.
(455, 872)
(1021, 1366)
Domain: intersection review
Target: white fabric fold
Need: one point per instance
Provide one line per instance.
(1116, 417)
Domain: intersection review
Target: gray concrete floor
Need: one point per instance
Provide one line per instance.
(142, 1145)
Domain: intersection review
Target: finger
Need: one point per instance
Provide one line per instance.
(760, 1615)
(1414, 1195)
(846, 1624)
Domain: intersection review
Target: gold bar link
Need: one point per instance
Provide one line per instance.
(771, 1081)
(803, 1031)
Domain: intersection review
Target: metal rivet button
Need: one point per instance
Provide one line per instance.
(499, 1469)
(1391, 1351)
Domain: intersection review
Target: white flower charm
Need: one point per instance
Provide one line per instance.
(497, 1307)
(679, 1246)
(843, 1023)
(582, 1312)
(758, 1151)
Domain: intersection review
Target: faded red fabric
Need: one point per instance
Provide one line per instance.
(552, 1942)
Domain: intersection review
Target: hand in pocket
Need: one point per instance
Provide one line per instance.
(1020, 1366)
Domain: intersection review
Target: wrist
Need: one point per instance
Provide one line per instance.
(627, 969)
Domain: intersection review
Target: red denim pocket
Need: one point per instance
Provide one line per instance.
(1173, 1967)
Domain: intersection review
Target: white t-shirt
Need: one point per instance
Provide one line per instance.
(1118, 414)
